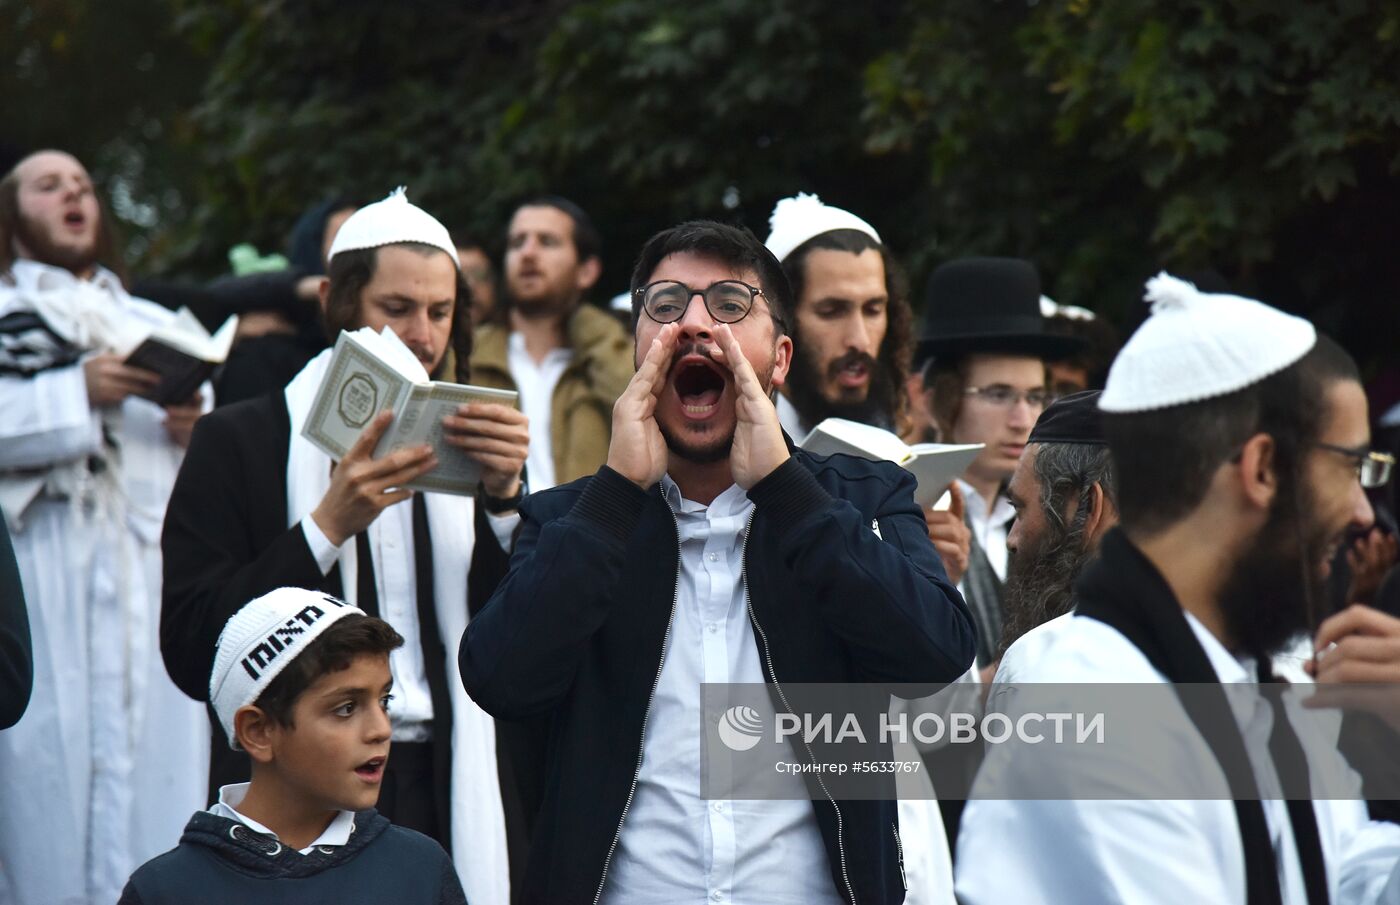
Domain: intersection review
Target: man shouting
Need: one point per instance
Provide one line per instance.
(707, 550)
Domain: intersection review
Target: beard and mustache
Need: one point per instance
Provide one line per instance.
(1268, 597)
(807, 377)
(1040, 578)
(1274, 587)
(46, 251)
(717, 448)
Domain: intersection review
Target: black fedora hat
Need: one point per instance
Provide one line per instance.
(988, 305)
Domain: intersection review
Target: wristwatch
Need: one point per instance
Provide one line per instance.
(497, 505)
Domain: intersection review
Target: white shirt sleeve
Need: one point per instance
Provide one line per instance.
(322, 549)
(47, 419)
(503, 526)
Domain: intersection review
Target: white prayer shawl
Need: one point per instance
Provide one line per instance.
(478, 817)
(110, 759)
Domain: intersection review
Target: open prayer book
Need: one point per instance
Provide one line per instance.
(370, 372)
(183, 354)
(934, 465)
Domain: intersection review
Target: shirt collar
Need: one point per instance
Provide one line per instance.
(733, 501)
(976, 507)
(515, 348)
(1228, 668)
(791, 420)
(231, 796)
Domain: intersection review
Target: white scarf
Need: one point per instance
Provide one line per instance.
(478, 817)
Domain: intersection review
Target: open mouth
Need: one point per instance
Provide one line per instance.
(699, 384)
(371, 770)
(853, 374)
(74, 219)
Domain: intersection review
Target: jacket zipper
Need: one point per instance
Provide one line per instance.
(641, 745)
(899, 848)
(773, 677)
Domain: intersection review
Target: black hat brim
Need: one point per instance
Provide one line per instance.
(1047, 346)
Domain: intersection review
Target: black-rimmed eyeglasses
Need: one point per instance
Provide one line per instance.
(1372, 468)
(728, 301)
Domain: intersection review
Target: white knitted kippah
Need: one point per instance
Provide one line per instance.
(260, 640)
(1198, 345)
(797, 219)
(391, 221)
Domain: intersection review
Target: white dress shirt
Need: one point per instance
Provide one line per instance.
(536, 382)
(1147, 851)
(337, 832)
(396, 588)
(675, 847)
(989, 525)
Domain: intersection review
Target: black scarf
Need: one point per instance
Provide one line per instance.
(1122, 589)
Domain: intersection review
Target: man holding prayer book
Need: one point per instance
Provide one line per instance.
(259, 506)
(90, 788)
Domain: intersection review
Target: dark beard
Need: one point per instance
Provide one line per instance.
(1040, 580)
(1264, 599)
(804, 390)
(708, 454)
(549, 304)
(73, 260)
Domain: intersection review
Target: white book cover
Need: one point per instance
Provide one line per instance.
(370, 372)
(934, 465)
(183, 353)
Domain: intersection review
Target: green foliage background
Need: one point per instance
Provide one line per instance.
(1105, 140)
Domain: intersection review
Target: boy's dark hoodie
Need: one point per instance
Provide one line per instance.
(220, 860)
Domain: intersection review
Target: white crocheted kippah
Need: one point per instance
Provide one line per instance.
(797, 219)
(1198, 345)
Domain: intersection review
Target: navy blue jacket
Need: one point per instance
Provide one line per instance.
(221, 862)
(576, 633)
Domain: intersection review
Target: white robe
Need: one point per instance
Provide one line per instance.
(110, 759)
(1096, 852)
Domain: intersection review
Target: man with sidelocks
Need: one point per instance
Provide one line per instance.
(707, 550)
(1063, 494)
(1238, 435)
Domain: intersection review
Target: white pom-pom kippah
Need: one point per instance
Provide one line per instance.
(795, 220)
(390, 222)
(1197, 345)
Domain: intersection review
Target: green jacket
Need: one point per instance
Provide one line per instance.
(581, 412)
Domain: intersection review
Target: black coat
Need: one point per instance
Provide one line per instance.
(226, 542)
(577, 629)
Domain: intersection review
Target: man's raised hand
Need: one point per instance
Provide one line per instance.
(495, 436)
(360, 484)
(637, 450)
(758, 447)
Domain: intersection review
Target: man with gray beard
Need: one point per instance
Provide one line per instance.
(1064, 496)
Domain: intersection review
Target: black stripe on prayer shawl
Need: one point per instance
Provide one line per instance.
(28, 346)
(1122, 589)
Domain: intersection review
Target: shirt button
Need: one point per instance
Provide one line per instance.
(717, 895)
(714, 557)
(711, 627)
(718, 806)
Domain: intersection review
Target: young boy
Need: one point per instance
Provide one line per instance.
(301, 682)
